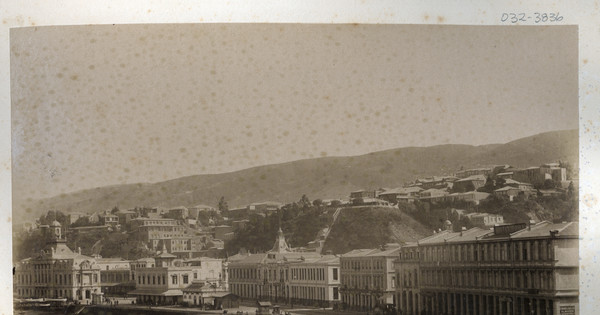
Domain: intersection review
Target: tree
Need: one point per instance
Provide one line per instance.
(317, 202)
(223, 204)
(500, 182)
(488, 187)
(566, 165)
(304, 202)
(570, 190)
(336, 203)
(83, 221)
(549, 184)
(114, 210)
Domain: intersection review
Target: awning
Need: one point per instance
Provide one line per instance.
(157, 292)
(221, 294)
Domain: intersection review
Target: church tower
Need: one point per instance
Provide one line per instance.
(281, 245)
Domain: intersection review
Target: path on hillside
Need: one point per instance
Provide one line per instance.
(335, 216)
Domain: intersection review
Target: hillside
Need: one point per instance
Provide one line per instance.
(328, 177)
(368, 227)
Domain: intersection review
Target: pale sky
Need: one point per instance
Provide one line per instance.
(103, 105)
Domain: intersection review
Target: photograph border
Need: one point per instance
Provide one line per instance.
(21, 13)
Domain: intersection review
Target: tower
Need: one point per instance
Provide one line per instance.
(280, 245)
(56, 230)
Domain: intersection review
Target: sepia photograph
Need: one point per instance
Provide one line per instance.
(295, 169)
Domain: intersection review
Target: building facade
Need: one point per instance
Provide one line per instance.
(163, 283)
(116, 276)
(58, 272)
(283, 275)
(368, 277)
(154, 230)
(513, 269)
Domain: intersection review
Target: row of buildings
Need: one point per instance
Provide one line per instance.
(464, 186)
(61, 274)
(510, 269)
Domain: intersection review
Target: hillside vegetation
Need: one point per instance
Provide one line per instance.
(325, 178)
(371, 227)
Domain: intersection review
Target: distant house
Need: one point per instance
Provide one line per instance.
(178, 213)
(485, 220)
(361, 194)
(505, 175)
(406, 194)
(509, 191)
(472, 196)
(193, 211)
(126, 216)
(517, 184)
(370, 202)
(109, 219)
(474, 171)
(391, 195)
(469, 183)
(432, 193)
(556, 173)
(265, 206)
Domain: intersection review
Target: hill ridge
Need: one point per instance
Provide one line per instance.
(324, 177)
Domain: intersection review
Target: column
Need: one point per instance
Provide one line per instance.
(467, 304)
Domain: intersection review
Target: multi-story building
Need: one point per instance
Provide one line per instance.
(58, 272)
(116, 276)
(362, 194)
(512, 269)
(126, 216)
(557, 173)
(154, 230)
(270, 275)
(164, 283)
(178, 213)
(473, 197)
(109, 219)
(315, 281)
(529, 175)
(368, 277)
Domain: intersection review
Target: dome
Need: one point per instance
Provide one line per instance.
(55, 223)
(447, 222)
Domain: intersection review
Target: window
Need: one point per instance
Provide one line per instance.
(185, 279)
(174, 279)
(524, 246)
(335, 274)
(195, 275)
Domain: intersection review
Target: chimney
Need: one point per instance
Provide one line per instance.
(79, 250)
(529, 224)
